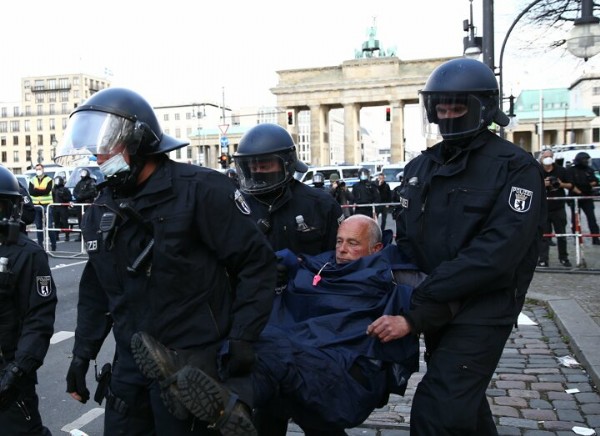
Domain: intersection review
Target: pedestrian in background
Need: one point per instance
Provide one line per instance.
(60, 194)
(27, 311)
(85, 192)
(556, 180)
(40, 190)
(172, 252)
(385, 196)
(365, 192)
(584, 180)
(342, 194)
(471, 217)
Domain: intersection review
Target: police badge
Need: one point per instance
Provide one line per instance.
(43, 285)
(519, 199)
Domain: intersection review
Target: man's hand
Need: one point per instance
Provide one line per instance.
(76, 385)
(388, 328)
(8, 389)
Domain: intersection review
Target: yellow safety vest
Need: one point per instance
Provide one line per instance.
(41, 185)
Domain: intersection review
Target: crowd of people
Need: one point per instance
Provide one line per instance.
(237, 305)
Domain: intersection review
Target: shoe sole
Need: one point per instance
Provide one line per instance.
(206, 399)
(147, 361)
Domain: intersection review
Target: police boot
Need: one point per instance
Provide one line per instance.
(158, 362)
(212, 402)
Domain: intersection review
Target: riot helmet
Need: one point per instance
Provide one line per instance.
(319, 180)
(109, 123)
(582, 159)
(364, 174)
(11, 206)
(266, 159)
(59, 181)
(460, 99)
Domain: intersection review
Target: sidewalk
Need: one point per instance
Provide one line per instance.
(531, 392)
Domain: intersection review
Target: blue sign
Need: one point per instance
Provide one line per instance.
(224, 141)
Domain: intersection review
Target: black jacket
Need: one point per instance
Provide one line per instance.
(321, 213)
(183, 294)
(85, 190)
(27, 305)
(473, 225)
(365, 192)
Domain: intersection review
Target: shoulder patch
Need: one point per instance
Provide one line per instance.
(43, 285)
(240, 202)
(520, 199)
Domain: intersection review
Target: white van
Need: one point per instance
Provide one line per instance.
(393, 173)
(348, 173)
(566, 154)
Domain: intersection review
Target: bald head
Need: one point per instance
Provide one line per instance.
(357, 236)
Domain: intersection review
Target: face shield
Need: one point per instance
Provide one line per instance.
(92, 133)
(8, 209)
(261, 174)
(451, 116)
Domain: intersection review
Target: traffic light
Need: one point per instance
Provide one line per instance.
(290, 116)
(388, 113)
(224, 161)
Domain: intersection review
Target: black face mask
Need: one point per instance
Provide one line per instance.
(449, 126)
(266, 179)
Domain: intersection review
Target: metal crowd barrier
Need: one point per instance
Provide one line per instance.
(578, 235)
(70, 231)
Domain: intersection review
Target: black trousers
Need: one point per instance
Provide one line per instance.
(450, 399)
(557, 219)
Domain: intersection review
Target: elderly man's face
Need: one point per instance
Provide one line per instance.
(353, 242)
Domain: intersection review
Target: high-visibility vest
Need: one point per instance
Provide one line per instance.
(41, 185)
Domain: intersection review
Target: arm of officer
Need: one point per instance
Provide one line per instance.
(39, 312)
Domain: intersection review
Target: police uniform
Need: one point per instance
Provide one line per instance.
(322, 216)
(365, 192)
(199, 240)
(472, 221)
(27, 310)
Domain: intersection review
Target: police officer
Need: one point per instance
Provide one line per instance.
(365, 192)
(27, 309)
(172, 252)
(472, 210)
(233, 177)
(290, 213)
(319, 181)
(584, 180)
(84, 192)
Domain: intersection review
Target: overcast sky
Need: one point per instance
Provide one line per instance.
(185, 50)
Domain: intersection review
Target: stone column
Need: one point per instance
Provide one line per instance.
(397, 132)
(351, 133)
(319, 136)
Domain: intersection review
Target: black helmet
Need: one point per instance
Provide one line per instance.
(231, 173)
(59, 181)
(110, 118)
(582, 159)
(468, 92)
(364, 174)
(11, 200)
(266, 159)
(319, 180)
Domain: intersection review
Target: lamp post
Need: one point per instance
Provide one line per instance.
(471, 44)
(500, 61)
(584, 39)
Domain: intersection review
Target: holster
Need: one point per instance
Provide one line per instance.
(103, 380)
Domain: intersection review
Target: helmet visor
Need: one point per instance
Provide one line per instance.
(450, 115)
(7, 209)
(260, 174)
(92, 133)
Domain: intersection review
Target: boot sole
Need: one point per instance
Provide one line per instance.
(147, 361)
(206, 399)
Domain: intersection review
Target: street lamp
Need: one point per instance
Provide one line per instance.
(584, 39)
(500, 61)
(471, 44)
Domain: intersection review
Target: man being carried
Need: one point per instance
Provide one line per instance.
(314, 356)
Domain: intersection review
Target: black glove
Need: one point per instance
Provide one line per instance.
(76, 377)
(9, 377)
(241, 358)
